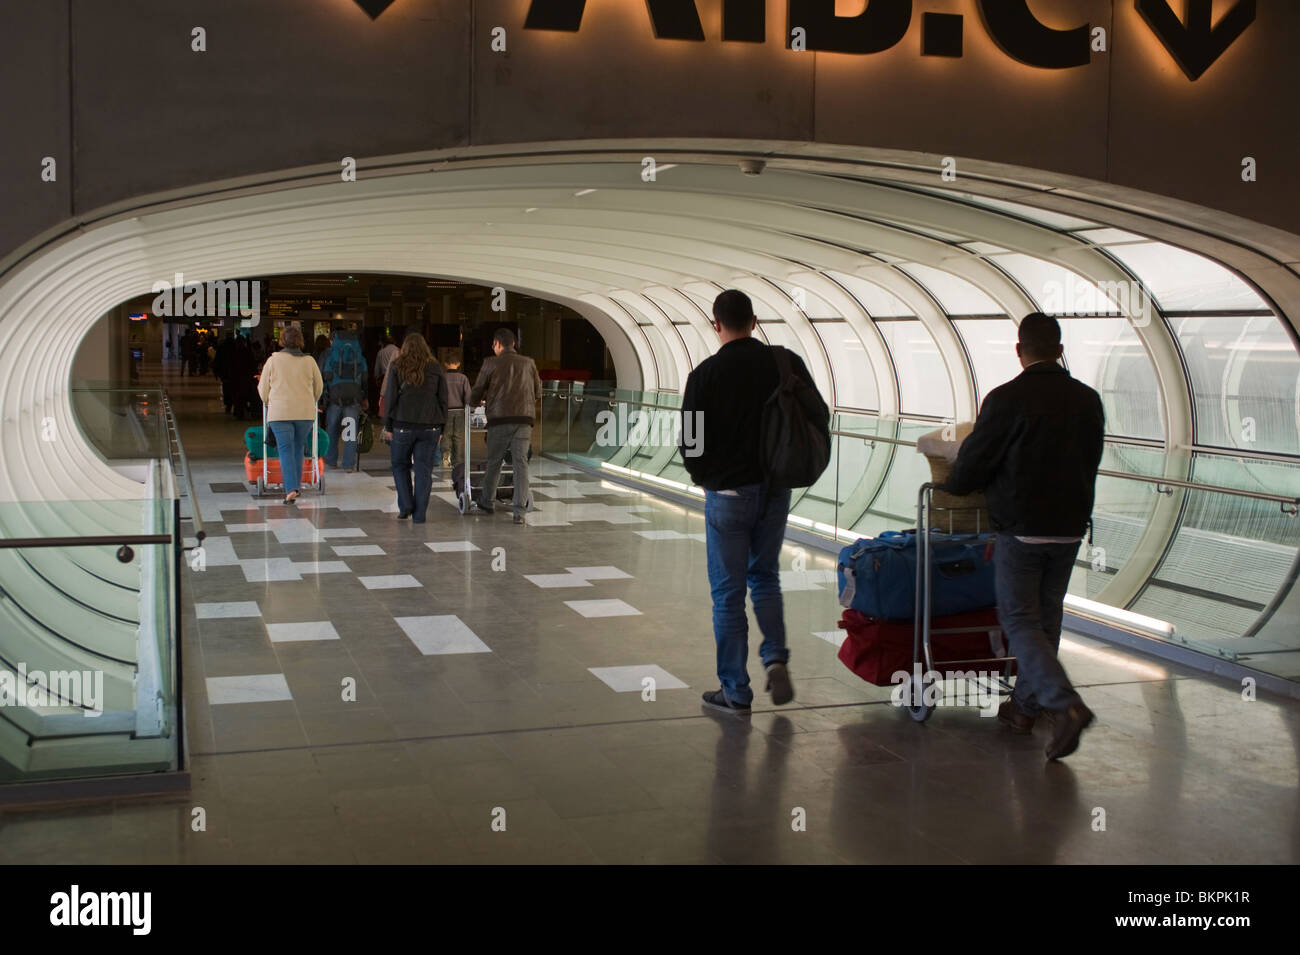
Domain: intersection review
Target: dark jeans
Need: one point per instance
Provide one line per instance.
(745, 527)
(338, 420)
(1032, 580)
(501, 438)
(413, 453)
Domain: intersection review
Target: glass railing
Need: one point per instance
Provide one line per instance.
(1193, 547)
(90, 676)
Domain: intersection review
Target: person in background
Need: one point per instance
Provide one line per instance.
(188, 364)
(320, 348)
(415, 399)
(384, 357)
(346, 375)
(511, 388)
(744, 518)
(243, 384)
(221, 367)
(290, 387)
(458, 389)
(1035, 450)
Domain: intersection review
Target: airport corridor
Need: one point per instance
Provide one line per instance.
(358, 689)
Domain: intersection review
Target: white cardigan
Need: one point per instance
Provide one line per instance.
(290, 386)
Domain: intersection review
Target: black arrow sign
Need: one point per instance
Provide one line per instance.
(1198, 44)
(375, 7)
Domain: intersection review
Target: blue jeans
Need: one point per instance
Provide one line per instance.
(292, 440)
(336, 417)
(1032, 580)
(413, 454)
(744, 532)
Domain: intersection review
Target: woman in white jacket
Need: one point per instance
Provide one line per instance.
(290, 387)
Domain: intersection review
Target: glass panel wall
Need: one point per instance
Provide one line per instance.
(924, 386)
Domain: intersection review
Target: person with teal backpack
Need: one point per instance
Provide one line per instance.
(346, 375)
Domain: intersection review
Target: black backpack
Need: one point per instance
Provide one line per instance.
(795, 432)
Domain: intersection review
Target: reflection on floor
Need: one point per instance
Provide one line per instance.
(361, 689)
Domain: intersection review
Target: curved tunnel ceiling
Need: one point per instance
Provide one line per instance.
(863, 247)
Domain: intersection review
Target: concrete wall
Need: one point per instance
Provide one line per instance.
(114, 92)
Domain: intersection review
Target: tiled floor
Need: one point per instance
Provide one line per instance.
(340, 717)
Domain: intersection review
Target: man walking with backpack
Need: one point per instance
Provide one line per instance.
(346, 375)
(727, 408)
(1035, 449)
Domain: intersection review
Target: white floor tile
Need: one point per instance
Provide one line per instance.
(629, 679)
(321, 567)
(358, 550)
(257, 688)
(833, 637)
(296, 632)
(389, 582)
(219, 611)
(603, 608)
(297, 530)
(450, 547)
(262, 570)
(599, 573)
(442, 634)
(330, 533)
(550, 581)
(219, 552)
(661, 535)
(247, 528)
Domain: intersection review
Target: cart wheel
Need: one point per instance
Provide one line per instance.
(261, 487)
(320, 487)
(919, 711)
(462, 502)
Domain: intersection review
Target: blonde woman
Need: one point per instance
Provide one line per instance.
(415, 410)
(290, 387)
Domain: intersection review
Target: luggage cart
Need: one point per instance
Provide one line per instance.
(466, 492)
(923, 648)
(264, 477)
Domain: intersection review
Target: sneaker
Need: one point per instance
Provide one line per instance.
(717, 699)
(778, 683)
(403, 515)
(1010, 714)
(519, 518)
(485, 508)
(1069, 726)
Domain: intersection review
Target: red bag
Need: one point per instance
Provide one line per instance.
(878, 649)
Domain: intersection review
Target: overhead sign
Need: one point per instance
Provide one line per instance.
(814, 25)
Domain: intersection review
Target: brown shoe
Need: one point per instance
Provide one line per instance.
(1017, 719)
(1068, 727)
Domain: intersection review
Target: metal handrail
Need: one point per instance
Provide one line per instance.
(1293, 503)
(90, 541)
(1290, 505)
(874, 437)
(174, 436)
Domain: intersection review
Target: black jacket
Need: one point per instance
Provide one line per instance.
(728, 390)
(409, 406)
(1035, 450)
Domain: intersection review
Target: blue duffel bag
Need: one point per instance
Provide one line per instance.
(877, 576)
